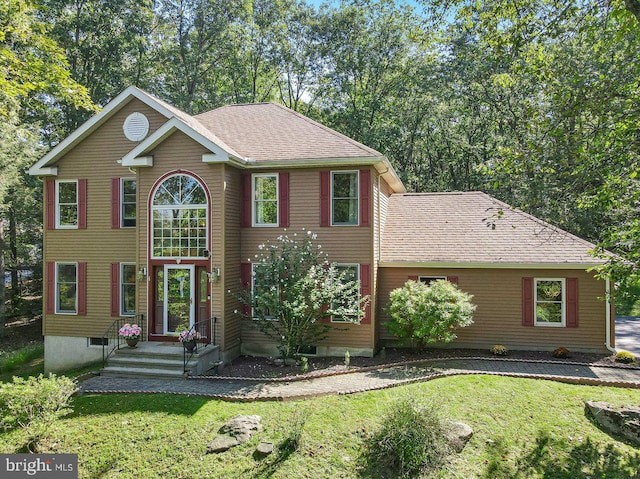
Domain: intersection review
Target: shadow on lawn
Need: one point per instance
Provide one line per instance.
(91, 405)
(586, 459)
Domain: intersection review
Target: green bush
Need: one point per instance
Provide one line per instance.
(499, 350)
(410, 442)
(625, 357)
(428, 313)
(34, 404)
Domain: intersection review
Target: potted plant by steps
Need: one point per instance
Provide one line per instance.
(188, 339)
(131, 334)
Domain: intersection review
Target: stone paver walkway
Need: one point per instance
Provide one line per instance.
(358, 381)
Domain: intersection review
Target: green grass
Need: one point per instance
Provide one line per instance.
(523, 429)
(20, 358)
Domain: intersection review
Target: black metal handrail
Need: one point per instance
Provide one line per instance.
(111, 339)
(204, 334)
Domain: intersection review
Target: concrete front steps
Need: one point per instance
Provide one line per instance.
(159, 360)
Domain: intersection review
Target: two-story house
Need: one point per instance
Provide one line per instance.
(155, 214)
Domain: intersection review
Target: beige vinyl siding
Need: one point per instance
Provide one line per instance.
(498, 318)
(95, 159)
(232, 258)
(343, 244)
(382, 191)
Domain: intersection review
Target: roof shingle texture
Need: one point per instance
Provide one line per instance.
(473, 228)
(267, 131)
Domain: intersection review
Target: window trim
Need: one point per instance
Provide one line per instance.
(253, 283)
(122, 202)
(357, 267)
(121, 285)
(254, 200)
(77, 203)
(563, 307)
(332, 198)
(56, 291)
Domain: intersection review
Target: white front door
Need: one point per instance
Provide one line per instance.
(179, 294)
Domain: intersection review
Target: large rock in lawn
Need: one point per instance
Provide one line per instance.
(623, 422)
(236, 431)
(458, 435)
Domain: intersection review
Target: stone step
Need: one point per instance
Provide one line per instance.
(149, 362)
(137, 372)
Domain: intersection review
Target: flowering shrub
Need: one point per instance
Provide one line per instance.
(428, 313)
(625, 357)
(499, 350)
(130, 331)
(294, 287)
(561, 353)
(190, 335)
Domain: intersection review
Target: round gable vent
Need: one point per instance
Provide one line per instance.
(136, 127)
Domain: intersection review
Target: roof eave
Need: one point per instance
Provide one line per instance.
(470, 265)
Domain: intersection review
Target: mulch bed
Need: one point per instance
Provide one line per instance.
(259, 367)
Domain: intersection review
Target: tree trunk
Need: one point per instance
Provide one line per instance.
(13, 257)
(3, 305)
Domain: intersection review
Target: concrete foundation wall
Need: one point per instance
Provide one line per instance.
(64, 352)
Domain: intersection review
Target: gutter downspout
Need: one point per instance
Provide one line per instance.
(608, 314)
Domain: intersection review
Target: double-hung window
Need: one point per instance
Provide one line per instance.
(66, 289)
(344, 198)
(550, 298)
(262, 290)
(350, 305)
(128, 203)
(127, 289)
(265, 199)
(430, 279)
(67, 204)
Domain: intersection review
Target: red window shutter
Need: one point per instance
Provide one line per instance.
(50, 192)
(452, 279)
(246, 200)
(365, 290)
(115, 289)
(412, 278)
(82, 289)
(365, 197)
(115, 203)
(245, 278)
(283, 200)
(527, 302)
(50, 307)
(325, 198)
(572, 302)
(82, 204)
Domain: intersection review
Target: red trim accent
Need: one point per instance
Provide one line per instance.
(365, 290)
(82, 204)
(50, 192)
(245, 278)
(115, 289)
(50, 307)
(452, 279)
(412, 278)
(365, 197)
(115, 203)
(283, 200)
(527, 302)
(325, 198)
(82, 289)
(246, 200)
(572, 302)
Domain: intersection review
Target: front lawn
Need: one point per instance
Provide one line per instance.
(523, 429)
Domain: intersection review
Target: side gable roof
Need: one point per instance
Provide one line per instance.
(267, 131)
(474, 229)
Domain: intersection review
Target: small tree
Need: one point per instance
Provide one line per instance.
(429, 313)
(294, 287)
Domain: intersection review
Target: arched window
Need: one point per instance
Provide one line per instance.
(179, 212)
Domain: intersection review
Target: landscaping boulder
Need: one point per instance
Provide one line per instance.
(236, 431)
(264, 448)
(623, 421)
(458, 435)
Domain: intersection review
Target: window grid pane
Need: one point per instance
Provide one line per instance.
(353, 273)
(66, 287)
(345, 198)
(265, 194)
(128, 290)
(67, 203)
(128, 202)
(549, 301)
